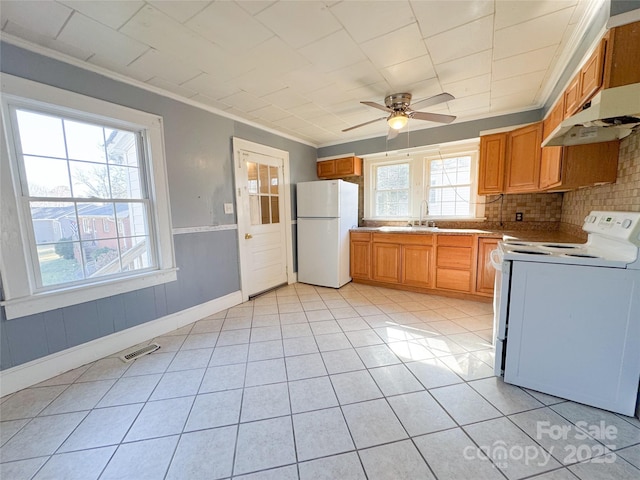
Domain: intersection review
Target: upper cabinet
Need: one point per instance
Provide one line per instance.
(491, 167)
(622, 56)
(586, 82)
(340, 167)
(522, 172)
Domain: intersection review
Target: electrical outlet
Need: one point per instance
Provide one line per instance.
(518, 216)
(228, 208)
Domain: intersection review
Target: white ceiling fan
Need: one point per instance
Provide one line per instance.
(398, 106)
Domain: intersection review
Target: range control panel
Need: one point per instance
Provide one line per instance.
(620, 225)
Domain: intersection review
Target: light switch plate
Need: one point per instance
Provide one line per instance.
(228, 208)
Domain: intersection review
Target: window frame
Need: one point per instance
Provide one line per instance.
(21, 295)
(374, 180)
(420, 160)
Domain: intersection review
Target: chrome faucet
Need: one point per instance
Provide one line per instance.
(426, 214)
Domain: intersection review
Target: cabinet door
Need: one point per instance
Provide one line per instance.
(485, 273)
(591, 74)
(348, 166)
(386, 262)
(326, 168)
(523, 159)
(555, 117)
(622, 56)
(491, 167)
(551, 167)
(360, 259)
(417, 265)
(572, 97)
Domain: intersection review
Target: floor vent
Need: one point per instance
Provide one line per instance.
(140, 352)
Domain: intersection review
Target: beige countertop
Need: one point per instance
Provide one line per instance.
(521, 235)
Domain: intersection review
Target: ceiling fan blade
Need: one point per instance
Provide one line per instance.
(393, 133)
(436, 99)
(378, 106)
(433, 117)
(362, 124)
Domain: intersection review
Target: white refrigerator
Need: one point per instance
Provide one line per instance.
(326, 210)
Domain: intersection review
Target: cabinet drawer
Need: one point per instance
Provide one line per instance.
(361, 236)
(456, 240)
(415, 239)
(453, 279)
(454, 257)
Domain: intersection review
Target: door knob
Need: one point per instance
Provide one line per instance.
(247, 236)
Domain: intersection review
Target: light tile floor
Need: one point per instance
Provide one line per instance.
(312, 383)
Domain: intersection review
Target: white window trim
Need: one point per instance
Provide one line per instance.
(417, 158)
(20, 298)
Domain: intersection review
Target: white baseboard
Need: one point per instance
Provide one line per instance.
(41, 369)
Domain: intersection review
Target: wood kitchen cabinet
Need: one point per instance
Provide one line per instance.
(385, 262)
(569, 168)
(417, 261)
(622, 56)
(454, 262)
(339, 167)
(491, 164)
(522, 172)
(360, 255)
(485, 272)
(587, 81)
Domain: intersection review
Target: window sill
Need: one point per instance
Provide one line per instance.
(43, 302)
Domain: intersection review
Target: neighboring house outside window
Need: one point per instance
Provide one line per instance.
(80, 161)
(444, 177)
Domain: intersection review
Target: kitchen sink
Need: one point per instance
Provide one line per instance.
(409, 229)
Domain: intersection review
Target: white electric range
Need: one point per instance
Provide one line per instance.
(567, 316)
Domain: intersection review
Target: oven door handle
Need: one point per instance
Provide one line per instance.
(495, 259)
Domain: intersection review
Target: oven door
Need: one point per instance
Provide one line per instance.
(500, 308)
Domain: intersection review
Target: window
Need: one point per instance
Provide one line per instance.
(392, 190)
(77, 161)
(443, 175)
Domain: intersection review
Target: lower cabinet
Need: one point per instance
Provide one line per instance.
(485, 273)
(424, 262)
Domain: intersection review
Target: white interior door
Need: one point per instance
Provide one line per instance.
(262, 220)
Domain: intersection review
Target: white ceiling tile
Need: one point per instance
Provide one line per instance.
(306, 79)
(206, 85)
(48, 42)
(229, 26)
(532, 35)
(512, 13)
(292, 122)
(299, 23)
(436, 16)
(381, 17)
(244, 101)
(524, 63)
(114, 66)
(203, 99)
(171, 87)
(461, 41)
(254, 6)
(527, 82)
(466, 67)
(110, 13)
(330, 95)
(579, 11)
(395, 47)
(105, 42)
(44, 17)
(323, 52)
(270, 113)
(357, 75)
(258, 85)
(285, 99)
(274, 57)
(470, 86)
(409, 72)
(479, 101)
(308, 111)
(180, 10)
(513, 102)
(159, 64)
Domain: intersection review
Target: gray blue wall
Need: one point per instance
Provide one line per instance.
(199, 160)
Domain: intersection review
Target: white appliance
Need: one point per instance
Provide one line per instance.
(567, 316)
(327, 210)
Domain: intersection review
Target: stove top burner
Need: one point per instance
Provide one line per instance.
(552, 245)
(516, 244)
(581, 255)
(531, 252)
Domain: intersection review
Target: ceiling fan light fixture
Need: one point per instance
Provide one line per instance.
(398, 120)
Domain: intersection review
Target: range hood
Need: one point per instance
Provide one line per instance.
(612, 114)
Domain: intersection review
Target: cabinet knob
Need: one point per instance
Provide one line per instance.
(248, 236)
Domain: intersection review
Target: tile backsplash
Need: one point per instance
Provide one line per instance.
(624, 195)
